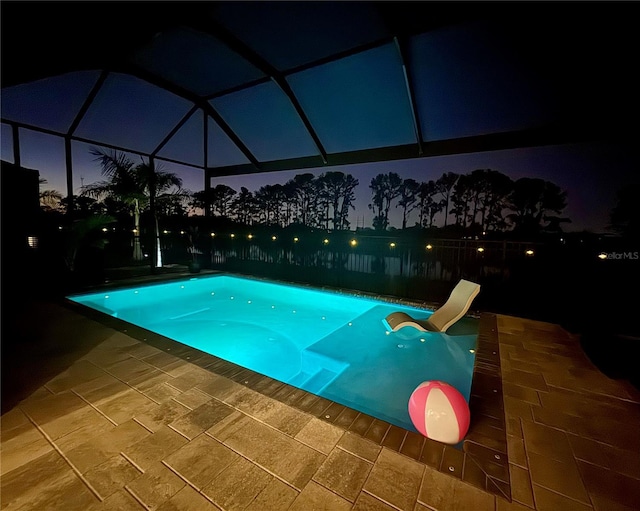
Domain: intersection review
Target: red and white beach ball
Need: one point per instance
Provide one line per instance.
(439, 411)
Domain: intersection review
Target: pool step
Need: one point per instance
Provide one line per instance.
(317, 371)
(320, 380)
(315, 382)
(299, 379)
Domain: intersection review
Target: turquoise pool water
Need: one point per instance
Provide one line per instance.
(332, 344)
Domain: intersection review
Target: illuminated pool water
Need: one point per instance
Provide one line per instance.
(332, 344)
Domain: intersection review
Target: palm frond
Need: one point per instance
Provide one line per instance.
(113, 163)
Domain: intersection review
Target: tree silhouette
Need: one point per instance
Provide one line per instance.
(269, 199)
(385, 188)
(243, 206)
(477, 187)
(338, 190)
(496, 188)
(462, 199)
(625, 215)
(445, 185)
(305, 198)
(221, 199)
(408, 198)
(482, 200)
(530, 200)
(428, 207)
(218, 199)
(82, 206)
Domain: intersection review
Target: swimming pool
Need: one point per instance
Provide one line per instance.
(331, 344)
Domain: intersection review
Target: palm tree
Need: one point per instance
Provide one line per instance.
(138, 185)
(50, 200)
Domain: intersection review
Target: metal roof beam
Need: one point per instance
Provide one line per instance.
(223, 35)
(175, 130)
(158, 81)
(408, 80)
(549, 135)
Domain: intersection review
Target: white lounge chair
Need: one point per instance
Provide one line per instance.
(444, 317)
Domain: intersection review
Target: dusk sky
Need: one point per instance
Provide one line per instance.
(590, 173)
(470, 80)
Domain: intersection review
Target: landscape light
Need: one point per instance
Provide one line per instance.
(353, 243)
(32, 241)
(233, 235)
(213, 234)
(602, 256)
(392, 244)
(529, 252)
(296, 239)
(429, 246)
(480, 249)
(274, 238)
(325, 241)
(250, 236)
(104, 229)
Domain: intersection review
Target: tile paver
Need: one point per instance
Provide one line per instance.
(154, 447)
(343, 473)
(201, 460)
(198, 420)
(44, 483)
(103, 446)
(188, 499)
(395, 479)
(111, 476)
(320, 435)
(274, 497)
(157, 485)
(235, 487)
(318, 498)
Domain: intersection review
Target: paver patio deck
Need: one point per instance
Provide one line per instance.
(117, 422)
